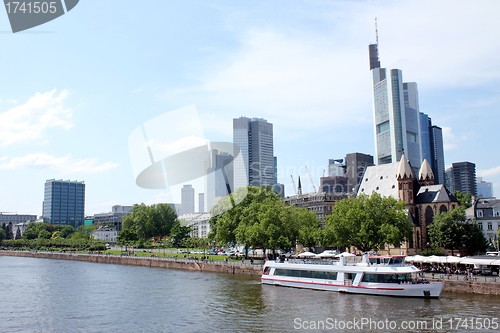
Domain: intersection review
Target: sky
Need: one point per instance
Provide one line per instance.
(73, 90)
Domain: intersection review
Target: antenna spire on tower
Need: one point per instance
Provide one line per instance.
(376, 31)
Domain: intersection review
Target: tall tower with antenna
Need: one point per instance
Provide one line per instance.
(373, 50)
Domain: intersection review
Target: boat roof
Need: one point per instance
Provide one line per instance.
(350, 268)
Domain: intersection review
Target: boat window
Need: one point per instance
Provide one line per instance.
(306, 274)
(266, 270)
(386, 278)
(397, 260)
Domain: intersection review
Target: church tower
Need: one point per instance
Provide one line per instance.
(425, 175)
(406, 181)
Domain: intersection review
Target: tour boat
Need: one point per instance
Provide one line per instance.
(374, 275)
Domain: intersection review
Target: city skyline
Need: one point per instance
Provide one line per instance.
(102, 71)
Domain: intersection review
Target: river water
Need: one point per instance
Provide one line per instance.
(44, 295)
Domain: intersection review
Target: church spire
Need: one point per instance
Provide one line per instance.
(299, 188)
(404, 170)
(425, 175)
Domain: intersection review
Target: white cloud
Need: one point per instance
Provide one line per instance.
(29, 121)
(450, 140)
(296, 82)
(65, 164)
(489, 173)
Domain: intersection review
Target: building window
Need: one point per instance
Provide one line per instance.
(479, 213)
(490, 226)
(480, 225)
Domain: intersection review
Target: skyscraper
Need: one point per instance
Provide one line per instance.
(187, 200)
(356, 164)
(399, 125)
(201, 202)
(64, 202)
(219, 176)
(484, 189)
(462, 177)
(437, 153)
(254, 139)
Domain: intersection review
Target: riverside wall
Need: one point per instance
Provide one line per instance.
(455, 286)
(190, 265)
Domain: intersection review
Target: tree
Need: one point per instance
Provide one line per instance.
(449, 229)
(179, 234)
(309, 228)
(150, 221)
(465, 200)
(9, 234)
(474, 239)
(368, 222)
(66, 231)
(2, 235)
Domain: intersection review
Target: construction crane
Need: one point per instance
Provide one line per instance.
(293, 183)
(312, 182)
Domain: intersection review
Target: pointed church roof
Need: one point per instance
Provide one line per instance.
(404, 170)
(425, 171)
(300, 185)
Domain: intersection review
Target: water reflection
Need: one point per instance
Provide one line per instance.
(65, 296)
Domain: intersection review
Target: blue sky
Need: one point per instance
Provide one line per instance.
(74, 89)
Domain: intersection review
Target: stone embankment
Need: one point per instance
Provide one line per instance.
(175, 263)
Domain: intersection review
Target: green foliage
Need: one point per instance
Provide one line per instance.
(45, 234)
(149, 221)
(3, 235)
(83, 233)
(465, 200)
(432, 251)
(179, 234)
(9, 234)
(261, 220)
(451, 231)
(368, 222)
(474, 239)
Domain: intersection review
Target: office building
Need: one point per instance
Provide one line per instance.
(437, 152)
(64, 202)
(462, 177)
(187, 199)
(219, 177)
(115, 217)
(355, 166)
(399, 126)
(253, 138)
(484, 189)
(201, 202)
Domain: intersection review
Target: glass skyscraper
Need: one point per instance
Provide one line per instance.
(254, 139)
(399, 125)
(64, 202)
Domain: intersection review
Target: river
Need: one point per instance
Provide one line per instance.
(43, 295)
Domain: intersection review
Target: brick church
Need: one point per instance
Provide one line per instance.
(423, 198)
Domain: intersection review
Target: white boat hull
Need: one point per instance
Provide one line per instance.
(423, 290)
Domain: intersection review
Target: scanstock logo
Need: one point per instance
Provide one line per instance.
(25, 15)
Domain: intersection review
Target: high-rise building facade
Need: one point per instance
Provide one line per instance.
(219, 177)
(399, 126)
(462, 177)
(187, 200)
(201, 202)
(437, 153)
(64, 202)
(254, 139)
(484, 189)
(356, 164)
